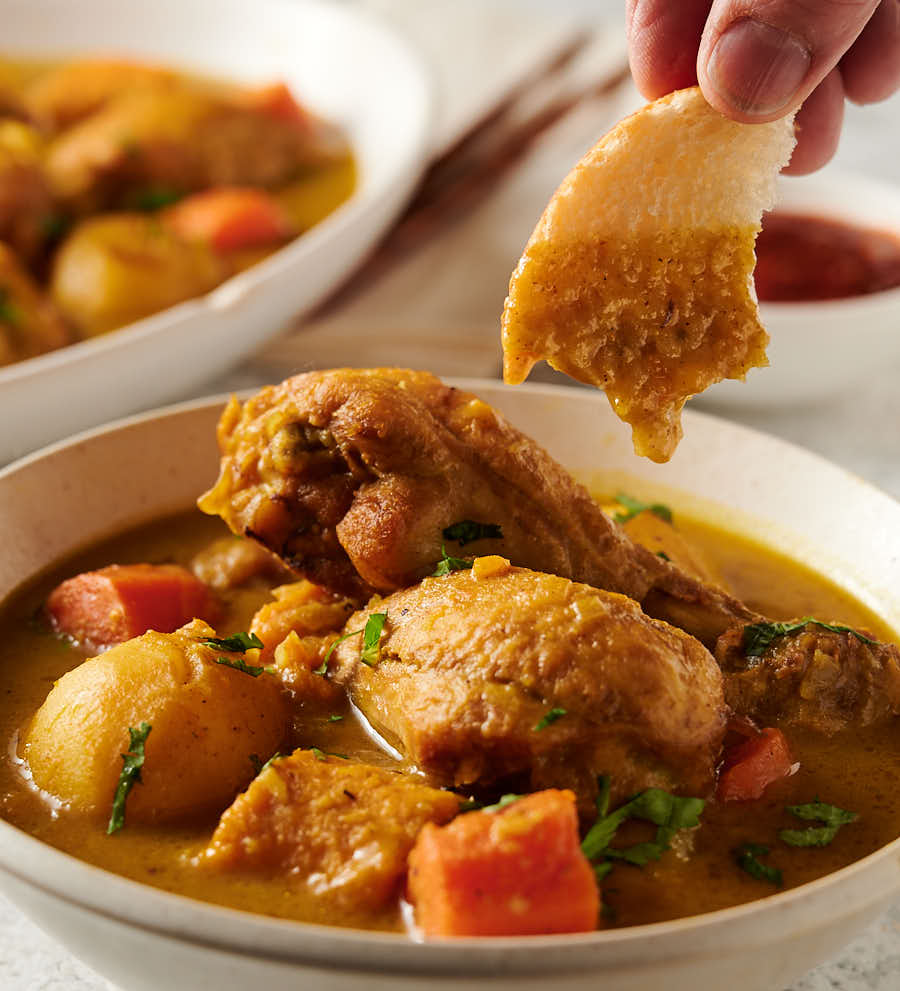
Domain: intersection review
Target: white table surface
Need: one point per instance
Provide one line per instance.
(862, 433)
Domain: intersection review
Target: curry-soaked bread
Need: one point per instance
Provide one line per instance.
(352, 475)
(341, 829)
(471, 663)
(639, 275)
(816, 678)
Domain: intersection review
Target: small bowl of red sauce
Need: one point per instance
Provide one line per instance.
(828, 281)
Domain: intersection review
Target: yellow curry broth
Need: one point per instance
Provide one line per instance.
(859, 771)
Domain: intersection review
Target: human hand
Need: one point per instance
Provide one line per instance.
(757, 60)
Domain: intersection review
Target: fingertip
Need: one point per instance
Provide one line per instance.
(663, 39)
(871, 67)
(818, 126)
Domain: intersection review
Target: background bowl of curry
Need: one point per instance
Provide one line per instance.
(338, 60)
(81, 491)
(828, 279)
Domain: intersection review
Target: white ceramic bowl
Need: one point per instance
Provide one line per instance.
(335, 57)
(825, 348)
(144, 939)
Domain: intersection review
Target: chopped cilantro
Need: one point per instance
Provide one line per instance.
(322, 669)
(468, 531)
(156, 197)
(371, 651)
(9, 312)
(634, 506)
(830, 815)
(54, 225)
(237, 643)
(239, 664)
(259, 765)
(669, 813)
(602, 869)
(758, 636)
(747, 856)
(604, 784)
(132, 762)
(335, 718)
(449, 563)
(550, 717)
(323, 755)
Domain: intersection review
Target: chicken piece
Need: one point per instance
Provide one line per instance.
(497, 671)
(29, 323)
(120, 267)
(351, 476)
(177, 140)
(816, 678)
(27, 208)
(74, 90)
(206, 720)
(340, 829)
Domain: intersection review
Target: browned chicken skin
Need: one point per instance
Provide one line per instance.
(352, 475)
(816, 678)
(471, 663)
(176, 139)
(27, 207)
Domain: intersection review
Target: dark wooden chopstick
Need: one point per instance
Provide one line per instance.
(465, 175)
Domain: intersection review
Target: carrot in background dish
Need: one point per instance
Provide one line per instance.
(515, 872)
(277, 101)
(750, 767)
(230, 218)
(105, 607)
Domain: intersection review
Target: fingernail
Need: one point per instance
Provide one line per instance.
(757, 68)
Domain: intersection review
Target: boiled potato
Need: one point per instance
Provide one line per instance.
(117, 268)
(206, 718)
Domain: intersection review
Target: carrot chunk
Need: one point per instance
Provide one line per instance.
(230, 218)
(105, 607)
(515, 872)
(277, 101)
(750, 767)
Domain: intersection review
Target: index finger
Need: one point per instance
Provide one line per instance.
(663, 40)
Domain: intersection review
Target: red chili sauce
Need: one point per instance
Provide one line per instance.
(801, 257)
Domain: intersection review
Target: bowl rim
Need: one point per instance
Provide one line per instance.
(231, 292)
(64, 877)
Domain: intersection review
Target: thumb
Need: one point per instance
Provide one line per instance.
(760, 60)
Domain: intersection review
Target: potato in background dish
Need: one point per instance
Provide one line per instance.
(117, 268)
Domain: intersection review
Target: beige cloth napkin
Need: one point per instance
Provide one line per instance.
(437, 305)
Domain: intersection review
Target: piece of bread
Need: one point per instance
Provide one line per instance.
(639, 275)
